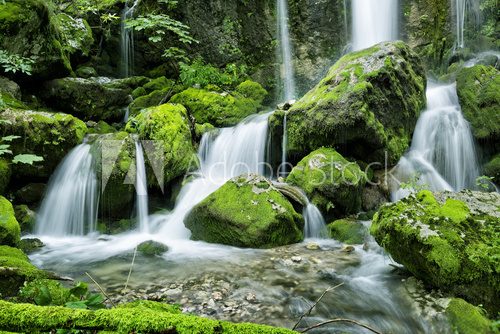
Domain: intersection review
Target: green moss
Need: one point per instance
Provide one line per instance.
(477, 89)
(25, 217)
(158, 84)
(151, 248)
(221, 109)
(348, 231)
(466, 318)
(168, 124)
(448, 242)
(10, 232)
(246, 211)
(331, 182)
(144, 317)
(154, 98)
(492, 169)
(50, 135)
(5, 173)
(75, 34)
(201, 129)
(252, 90)
(32, 291)
(354, 107)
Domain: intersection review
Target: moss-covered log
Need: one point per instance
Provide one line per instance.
(140, 318)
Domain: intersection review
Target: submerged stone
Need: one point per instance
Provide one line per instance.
(367, 104)
(448, 240)
(152, 248)
(331, 182)
(247, 211)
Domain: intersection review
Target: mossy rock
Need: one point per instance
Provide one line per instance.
(331, 182)
(100, 127)
(222, 109)
(467, 319)
(85, 72)
(26, 218)
(87, 99)
(152, 248)
(10, 232)
(492, 169)
(448, 240)
(478, 89)
(10, 87)
(366, 106)
(348, 231)
(30, 245)
(153, 98)
(116, 164)
(5, 173)
(15, 269)
(247, 211)
(32, 29)
(169, 129)
(46, 134)
(32, 193)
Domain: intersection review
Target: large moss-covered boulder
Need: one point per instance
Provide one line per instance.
(32, 29)
(169, 129)
(116, 168)
(222, 109)
(88, 99)
(46, 134)
(467, 319)
(10, 232)
(331, 182)
(478, 89)
(448, 240)
(367, 104)
(247, 211)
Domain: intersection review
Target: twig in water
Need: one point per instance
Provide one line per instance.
(342, 320)
(131, 266)
(100, 288)
(316, 303)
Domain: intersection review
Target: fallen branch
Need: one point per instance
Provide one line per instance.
(342, 320)
(100, 288)
(316, 303)
(131, 266)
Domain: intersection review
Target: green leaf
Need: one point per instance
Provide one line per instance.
(76, 305)
(10, 138)
(43, 298)
(5, 121)
(79, 290)
(28, 159)
(95, 301)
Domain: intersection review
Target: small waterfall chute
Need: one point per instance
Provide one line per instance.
(442, 153)
(314, 223)
(141, 189)
(287, 72)
(127, 40)
(70, 206)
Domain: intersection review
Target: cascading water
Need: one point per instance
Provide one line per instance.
(71, 203)
(442, 154)
(141, 189)
(373, 21)
(460, 10)
(229, 153)
(287, 73)
(315, 226)
(127, 40)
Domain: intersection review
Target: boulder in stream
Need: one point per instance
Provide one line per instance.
(366, 105)
(448, 240)
(331, 182)
(247, 211)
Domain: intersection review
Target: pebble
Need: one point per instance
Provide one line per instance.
(296, 259)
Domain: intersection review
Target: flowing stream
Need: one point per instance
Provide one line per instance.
(373, 21)
(141, 189)
(442, 154)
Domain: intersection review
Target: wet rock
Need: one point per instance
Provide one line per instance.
(152, 248)
(31, 193)
(30, 245)
(26, 218)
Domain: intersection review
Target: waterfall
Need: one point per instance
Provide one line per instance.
(224, 154)
(442, 152)
(141, 189)
(460, 6)
(373, 21)
(283, 170)
(287, 73)
(71, 202)
(314, 226)
(127, 40)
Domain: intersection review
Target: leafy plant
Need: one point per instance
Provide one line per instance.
(199, 73)
(14, 63)
(157, 25)
(414, 184)
(45, 292)
(5, 148)
(484, 182)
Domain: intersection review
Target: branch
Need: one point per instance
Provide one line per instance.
(100, 288)
(316, 303)
(342, 320)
